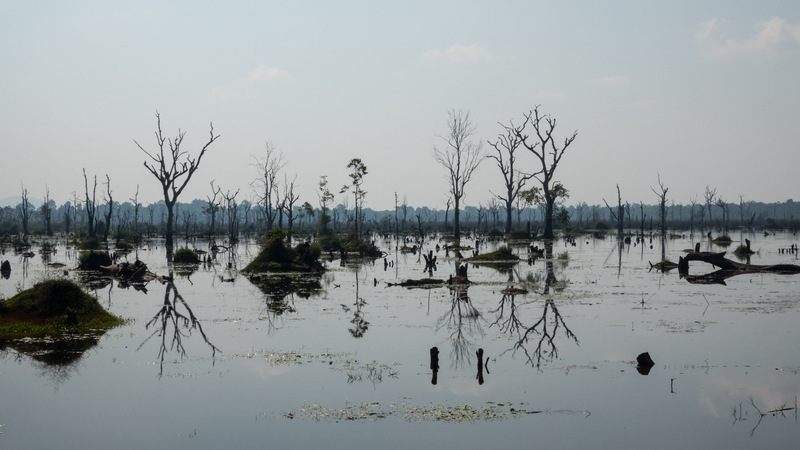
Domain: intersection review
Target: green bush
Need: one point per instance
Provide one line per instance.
(276, 256)
(185, 255)
(89, 243)
(93, 259)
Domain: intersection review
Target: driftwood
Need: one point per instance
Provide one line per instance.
(126, 271)
(727, 268)
(422, 282)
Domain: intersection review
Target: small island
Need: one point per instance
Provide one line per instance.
(53, 308)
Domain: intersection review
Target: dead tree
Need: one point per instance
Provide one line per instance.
(173, 168)
(90, 203)
(544, 147)
(109, 209)
(212, 208)
(727, 268)
(460, 157)
(662, 202)
(619, 214)
(47, 212)
(232, 213)
(290, 198)
(710, 195)
(24, 211)
(505, 147)
(266, 186)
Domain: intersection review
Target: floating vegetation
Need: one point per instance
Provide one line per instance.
(371, 411)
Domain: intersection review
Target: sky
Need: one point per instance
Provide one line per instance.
(696, 93)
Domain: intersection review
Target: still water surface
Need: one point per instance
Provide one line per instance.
(346, 361)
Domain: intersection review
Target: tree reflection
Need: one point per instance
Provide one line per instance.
(175, 320)
(464, 320)
(539, 339)
(359, 322)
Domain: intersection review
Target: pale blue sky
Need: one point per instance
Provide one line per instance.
(704, 93)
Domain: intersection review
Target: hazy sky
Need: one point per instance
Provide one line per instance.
(702, 93)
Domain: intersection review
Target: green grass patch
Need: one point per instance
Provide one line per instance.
(53, 307)
(503, 253)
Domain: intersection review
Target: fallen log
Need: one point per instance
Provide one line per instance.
(423, 282)
(727, 268)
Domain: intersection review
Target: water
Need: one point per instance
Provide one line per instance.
(346, 362)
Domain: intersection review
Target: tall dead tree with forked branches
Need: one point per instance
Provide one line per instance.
(548, 152)
(461, 157)
(173, 168)
(505, 147)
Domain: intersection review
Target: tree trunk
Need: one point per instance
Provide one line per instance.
(456, 221)
(548, 219)
(508, 217)
(170, 219)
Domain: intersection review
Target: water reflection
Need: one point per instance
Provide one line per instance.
(463, 319)
(181, 323)
(56, 359)
(537, 340)
(359, 322)
(279, 292)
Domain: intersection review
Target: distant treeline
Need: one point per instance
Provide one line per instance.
(200, 218)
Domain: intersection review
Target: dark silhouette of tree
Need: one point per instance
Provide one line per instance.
(47, 212)
(662, 203)
(266, 185)
(460, 157)
(710, 195)
(173, 168)
(514, 180)
(90, 203)
(549, 153)
(289, 199)
(326, 197)
(109, 209)
(24, 210)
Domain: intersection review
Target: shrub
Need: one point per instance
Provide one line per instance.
(185, 255)
(90, 243)
(93, 259)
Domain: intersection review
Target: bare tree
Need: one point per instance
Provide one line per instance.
(25, 210)
(543, 145)
(662, 201)
(710, 195)
(47, 211)
(109, 209)
(460, 157)
(90, 203)
(211, 208)
(173, 168)
(505, 147)
(290, 198)
(136, 207)
(232, 213)
(266, 185)
(619, 214)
